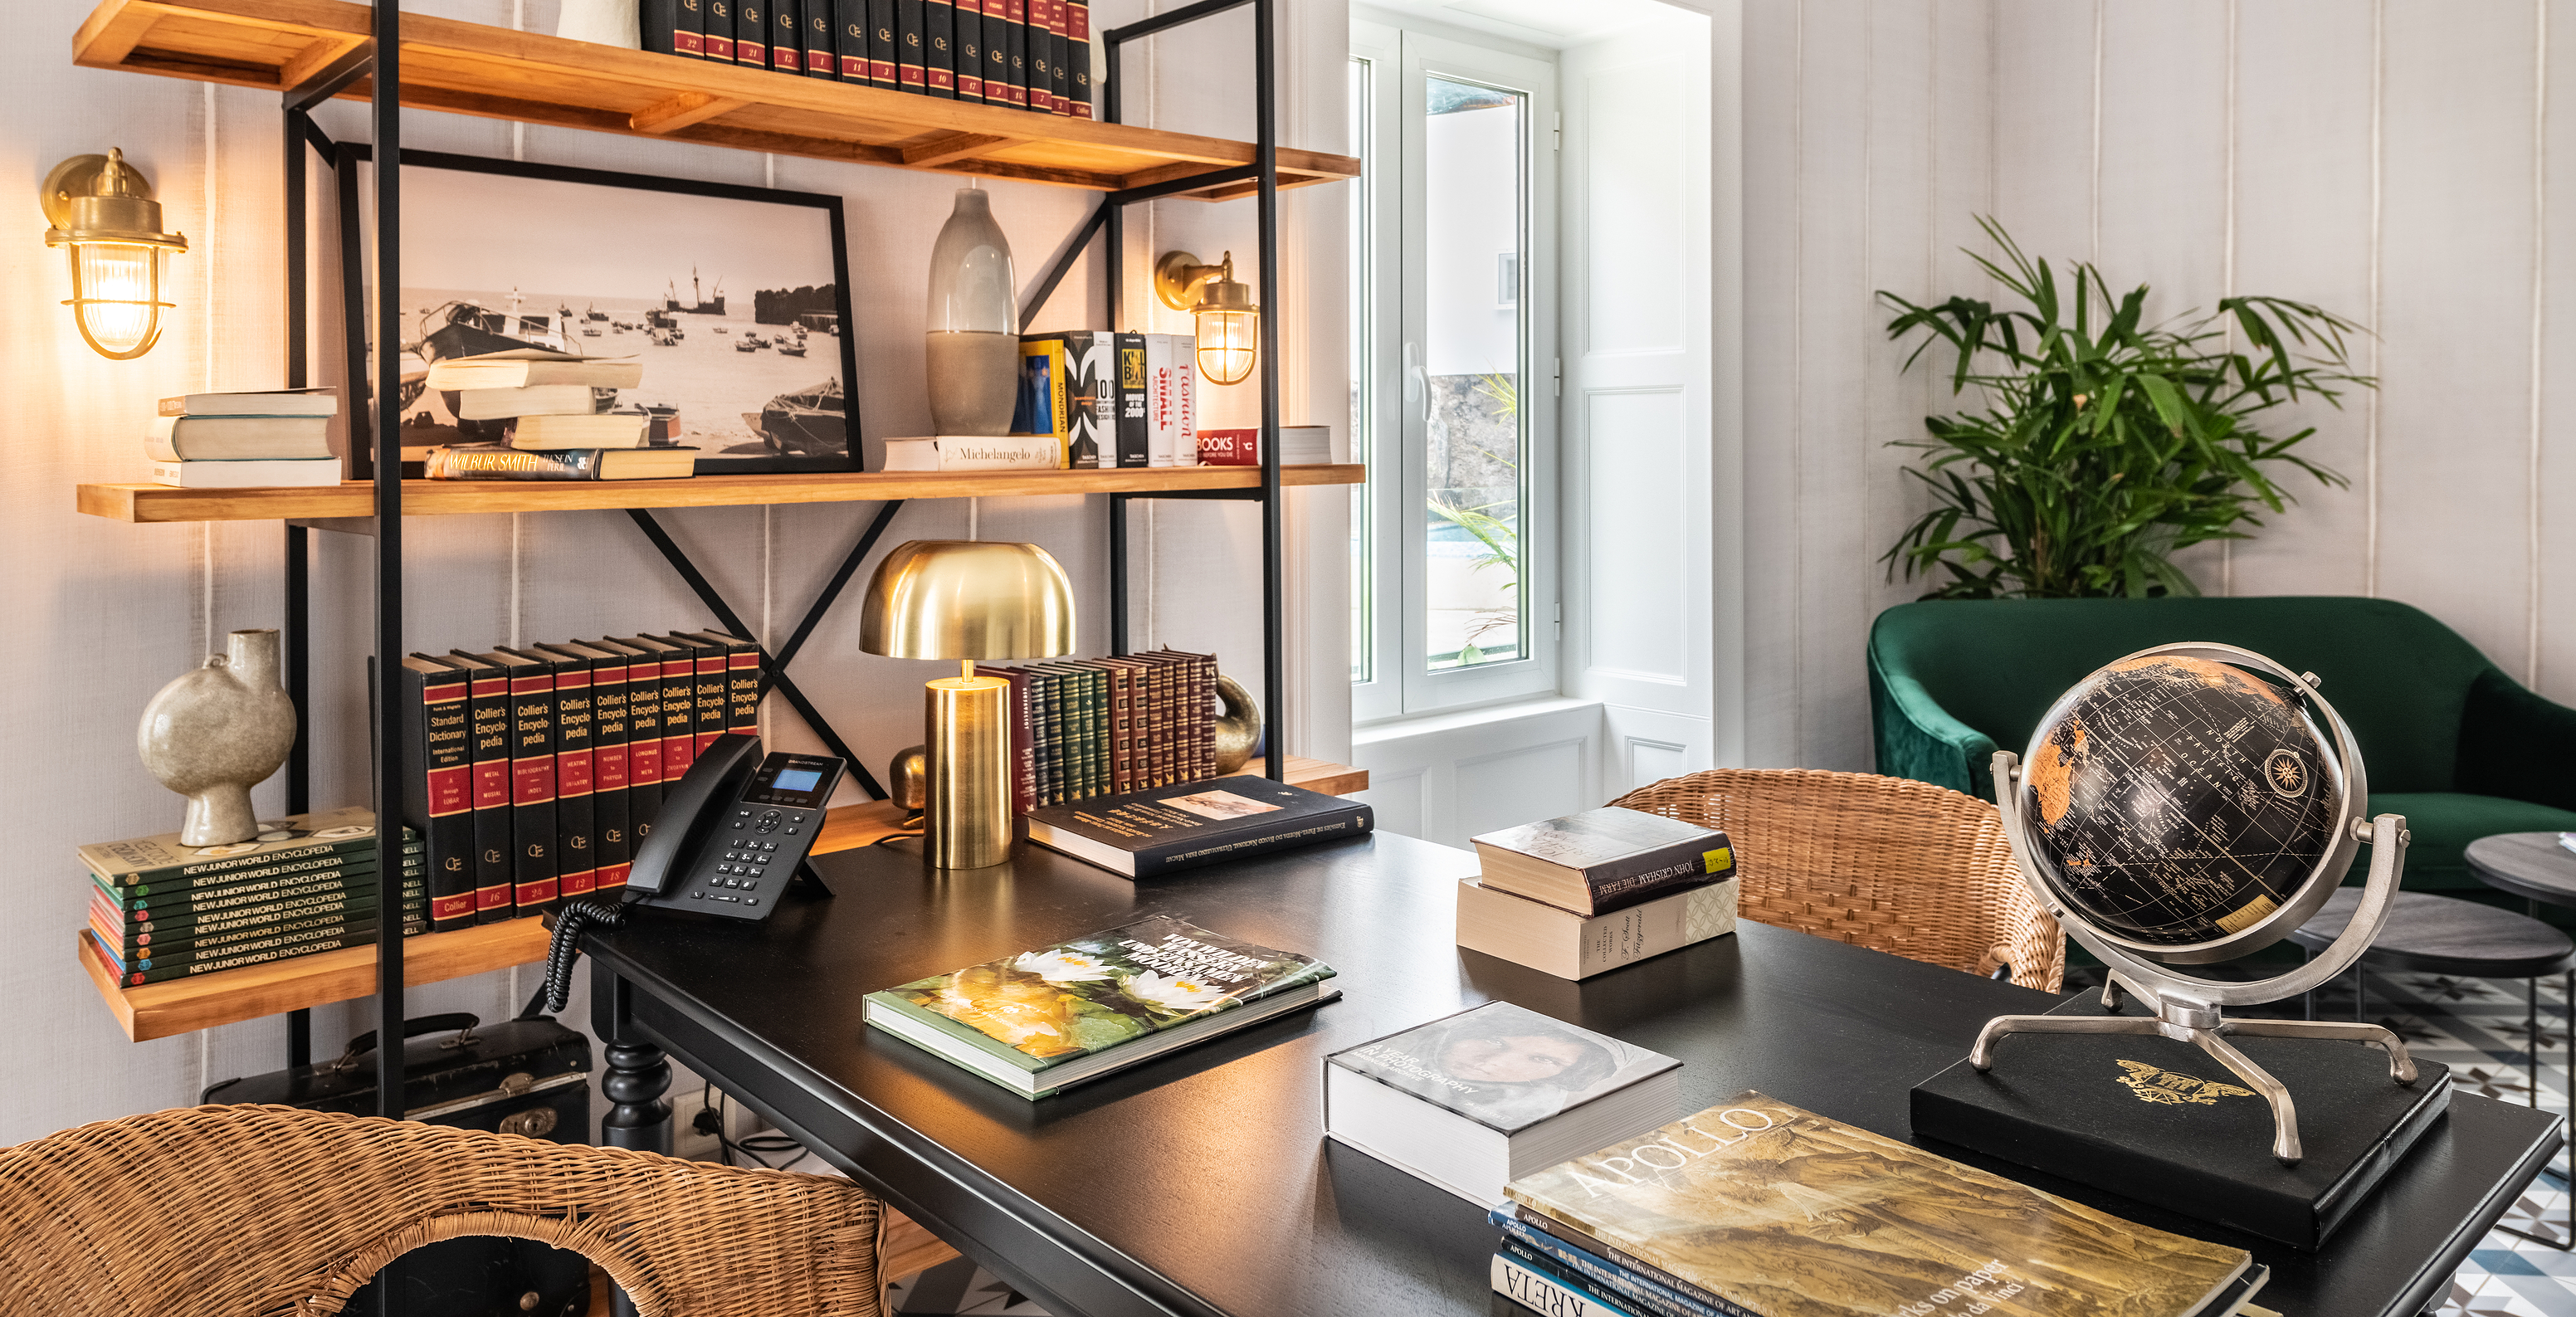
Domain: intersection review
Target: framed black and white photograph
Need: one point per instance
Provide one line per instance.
(735, 301)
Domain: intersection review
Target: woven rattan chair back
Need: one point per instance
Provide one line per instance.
(1895, 865)
(258, 1211)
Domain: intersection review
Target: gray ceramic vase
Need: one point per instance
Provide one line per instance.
(215, 733)
(973, 348)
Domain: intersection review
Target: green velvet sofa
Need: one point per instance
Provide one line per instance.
(2450, 741)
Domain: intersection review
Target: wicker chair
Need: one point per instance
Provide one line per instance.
(1880, 862)
(230, 1211)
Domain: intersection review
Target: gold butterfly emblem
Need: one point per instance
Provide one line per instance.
(2156, 1084)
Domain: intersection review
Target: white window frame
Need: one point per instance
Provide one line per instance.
(1392, 399)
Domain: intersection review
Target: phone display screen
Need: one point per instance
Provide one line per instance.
(796, 781)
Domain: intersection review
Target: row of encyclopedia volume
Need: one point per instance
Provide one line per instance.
(537, 770)
(1024, 54)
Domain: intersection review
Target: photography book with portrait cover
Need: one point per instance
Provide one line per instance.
(1758, 1207)
(1144, 833)
(1036, 1022)
(1474, 1100)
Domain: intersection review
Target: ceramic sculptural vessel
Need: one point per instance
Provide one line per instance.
(213, 734)
(973, 344)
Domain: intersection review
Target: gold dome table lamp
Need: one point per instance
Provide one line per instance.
(967, 600)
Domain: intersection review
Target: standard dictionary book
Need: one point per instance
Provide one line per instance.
(1758, 1207)
(1144, 833)
(1602, 859)
(1476, 1099)
(1036, 1022)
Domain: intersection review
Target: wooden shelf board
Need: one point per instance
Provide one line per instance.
(159, 1010)
(427, 498)
(477, 69)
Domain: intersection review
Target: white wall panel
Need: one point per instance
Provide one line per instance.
(1639, 525)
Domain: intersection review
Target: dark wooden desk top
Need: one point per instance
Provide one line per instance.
(1201, 1183)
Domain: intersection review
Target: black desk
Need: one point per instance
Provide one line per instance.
(1201, 1183)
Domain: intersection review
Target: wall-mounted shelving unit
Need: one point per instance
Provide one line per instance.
(313, 51)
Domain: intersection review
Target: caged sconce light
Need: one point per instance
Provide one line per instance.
(102, 209)
(1229, 323)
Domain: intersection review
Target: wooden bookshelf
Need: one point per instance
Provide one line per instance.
(429, 498)
(159, 1010)
(498, 73)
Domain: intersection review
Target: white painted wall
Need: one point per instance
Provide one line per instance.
(108, 612)
(2401, 162)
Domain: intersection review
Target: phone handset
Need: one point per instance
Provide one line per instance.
(690, 814)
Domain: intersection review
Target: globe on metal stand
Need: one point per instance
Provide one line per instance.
(2178, 810)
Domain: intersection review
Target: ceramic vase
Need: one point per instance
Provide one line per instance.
(215, 733)
(973, 347)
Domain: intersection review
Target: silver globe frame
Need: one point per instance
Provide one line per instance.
(2190, 1009)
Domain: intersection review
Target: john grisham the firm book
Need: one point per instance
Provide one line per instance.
(1037, 1021)
(1144, 833)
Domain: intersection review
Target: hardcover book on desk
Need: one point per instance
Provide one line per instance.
(1485, 1096)
(1574, 946)
(1602, 859)
(1145, 833)
(1038, 1021)
(1758, 1207)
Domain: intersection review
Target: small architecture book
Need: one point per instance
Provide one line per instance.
(1573, 946)
(1036, 1022)
(1474, 1100)
(1757, 1206)
(1602, 859)
(1141, 834)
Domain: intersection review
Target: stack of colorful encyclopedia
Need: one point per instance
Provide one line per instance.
(160, 909)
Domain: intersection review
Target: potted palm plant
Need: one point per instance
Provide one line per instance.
(2104, 444)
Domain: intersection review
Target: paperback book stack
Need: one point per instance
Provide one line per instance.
(1031, 55)
(1082, 728)
(537, 414)
(163, 910)
(1597, 890)
(1109, 400)
(536, 770)
(1756, 1208)
(239, 440)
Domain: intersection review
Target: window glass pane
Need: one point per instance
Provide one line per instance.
(1363, 546)
(1475, 201)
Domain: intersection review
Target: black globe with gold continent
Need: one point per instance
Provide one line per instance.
(2174, 801)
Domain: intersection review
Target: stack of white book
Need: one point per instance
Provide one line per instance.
(238, 440)
(547, 400)
(1597, 890)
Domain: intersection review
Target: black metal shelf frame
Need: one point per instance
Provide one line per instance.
(380, 60)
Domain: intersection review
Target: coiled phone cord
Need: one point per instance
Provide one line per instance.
(568, 924)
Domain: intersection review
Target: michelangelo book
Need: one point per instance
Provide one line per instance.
(1145, 833)
(1770, 1209)
(1034, 1021)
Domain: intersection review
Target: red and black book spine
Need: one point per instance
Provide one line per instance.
(643, 740)
(609, 730)
(576, 766)
(710, 709)
(488, 727)
(820, 61)
(1033, 21)
(1015, 31)
(883, 69)
(532, 782)
(742, 679)
(679, 704)
(1077, 52)
(997, 52)
(717, 39)
(438, 798)
(787, 35)
(751, 33)
(689, 35)
(657, 25)
(939, 47)
(970, 50)
(909, 53)
(850, 39)
(1024, 761)
(1059, 45)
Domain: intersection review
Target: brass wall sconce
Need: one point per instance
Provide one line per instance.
(102, 209)
(1229, 322)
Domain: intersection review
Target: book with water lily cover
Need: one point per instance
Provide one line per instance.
(1036, 1022)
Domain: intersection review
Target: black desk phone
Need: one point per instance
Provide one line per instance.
(727, 842)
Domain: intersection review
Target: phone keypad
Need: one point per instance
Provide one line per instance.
(737, 868)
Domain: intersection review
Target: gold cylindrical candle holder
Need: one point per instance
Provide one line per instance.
(967, 824)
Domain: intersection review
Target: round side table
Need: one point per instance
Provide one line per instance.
(2533, 866)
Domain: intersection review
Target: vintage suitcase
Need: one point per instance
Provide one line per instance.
(527, 1076)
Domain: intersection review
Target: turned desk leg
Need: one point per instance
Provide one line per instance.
(638, 1116)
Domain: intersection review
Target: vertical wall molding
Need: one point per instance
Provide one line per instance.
(2378, 215)
(2539, 330)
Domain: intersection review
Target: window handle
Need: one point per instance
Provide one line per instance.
(1417, 386)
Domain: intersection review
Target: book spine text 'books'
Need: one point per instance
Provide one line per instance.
(532, 788)
(488, 709)
(576, 767)
(446, 769)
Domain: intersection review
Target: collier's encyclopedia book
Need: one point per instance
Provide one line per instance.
(1474, 1100)
(1038, 1021)
(1770, 1209)
(1602, 859)
(1144, 833)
